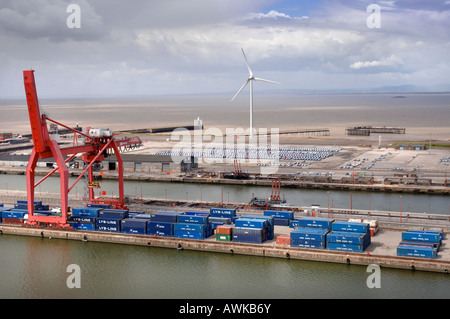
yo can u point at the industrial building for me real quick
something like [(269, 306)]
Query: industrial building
[(411, 147), (151, 163), (18, 160)]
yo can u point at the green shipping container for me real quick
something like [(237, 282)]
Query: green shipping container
[(221, 237)]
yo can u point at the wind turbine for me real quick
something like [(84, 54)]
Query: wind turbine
[(250, 80)]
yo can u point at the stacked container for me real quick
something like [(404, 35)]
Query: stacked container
[(349, 236), (133, 226), (224, 232), (109, 220), (14, 216), (250, 230), (193, 225), (84, 218), (420, 243), (280, 217), (162, 223), (270, 226), (311, 232)]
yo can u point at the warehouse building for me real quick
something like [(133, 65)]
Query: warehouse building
[(411, 147), (18, 160), (151, 163)]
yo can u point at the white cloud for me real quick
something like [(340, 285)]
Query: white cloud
[(390, 61), (272, 14)]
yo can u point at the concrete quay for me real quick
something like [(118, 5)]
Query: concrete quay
[(382, 250)]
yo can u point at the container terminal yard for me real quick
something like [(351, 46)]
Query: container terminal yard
[(308, 233)]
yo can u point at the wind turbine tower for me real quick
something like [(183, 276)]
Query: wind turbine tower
[(250, 80)]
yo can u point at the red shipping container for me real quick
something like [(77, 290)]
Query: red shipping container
[(283, 240), (224, 229), (12, 221)]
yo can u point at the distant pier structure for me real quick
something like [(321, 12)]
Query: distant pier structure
[(367, 130)]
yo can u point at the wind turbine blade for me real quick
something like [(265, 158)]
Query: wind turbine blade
[(246, 62), (246, 82), (263, 80)]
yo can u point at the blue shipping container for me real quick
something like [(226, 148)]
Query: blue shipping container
[(113, 214), (310, 233), (170, 217), (133, 230), (14, 214), (134, 223), (108, 222), (347, 238), (302, 243), (416, 251), (191, 227), (194, 219), (160, 232), (108, 228), (315, 222), (82, 219), (279, 214), (248, 235), (250, 223), (190, 234), (163, 226), (86, 211), (345, 247), (350, 227), (223, 212), (421, 236), (83, 226)]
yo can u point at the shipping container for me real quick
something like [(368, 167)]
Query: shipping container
[(113, 213), (191, 227), (108, 222), (248, 235), (108, 228), (315, 222), (12, 220), (190, 234), (302, 243), (169, 217), (193, 219), (223, 212), (134, 223), (83, 226), (86, 211), (310, 233), (133, 230), (250, 223), (223, 237), (421, 236), (160, 232), (81, 219), (163, 226), (348, 238), (345, 247), (224, 229), (441, 234), (279, 214), (350, 227), (416, 251), (293, 223), (283, 240)]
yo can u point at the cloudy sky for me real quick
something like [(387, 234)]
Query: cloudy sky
[(152, 47)]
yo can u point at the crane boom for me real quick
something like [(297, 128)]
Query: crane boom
[(44, 147)]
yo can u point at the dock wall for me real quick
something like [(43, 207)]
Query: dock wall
[(284, 252)]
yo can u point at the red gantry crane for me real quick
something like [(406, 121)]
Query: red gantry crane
[(94, 150)]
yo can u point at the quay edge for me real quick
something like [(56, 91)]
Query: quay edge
[(284, 252)]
